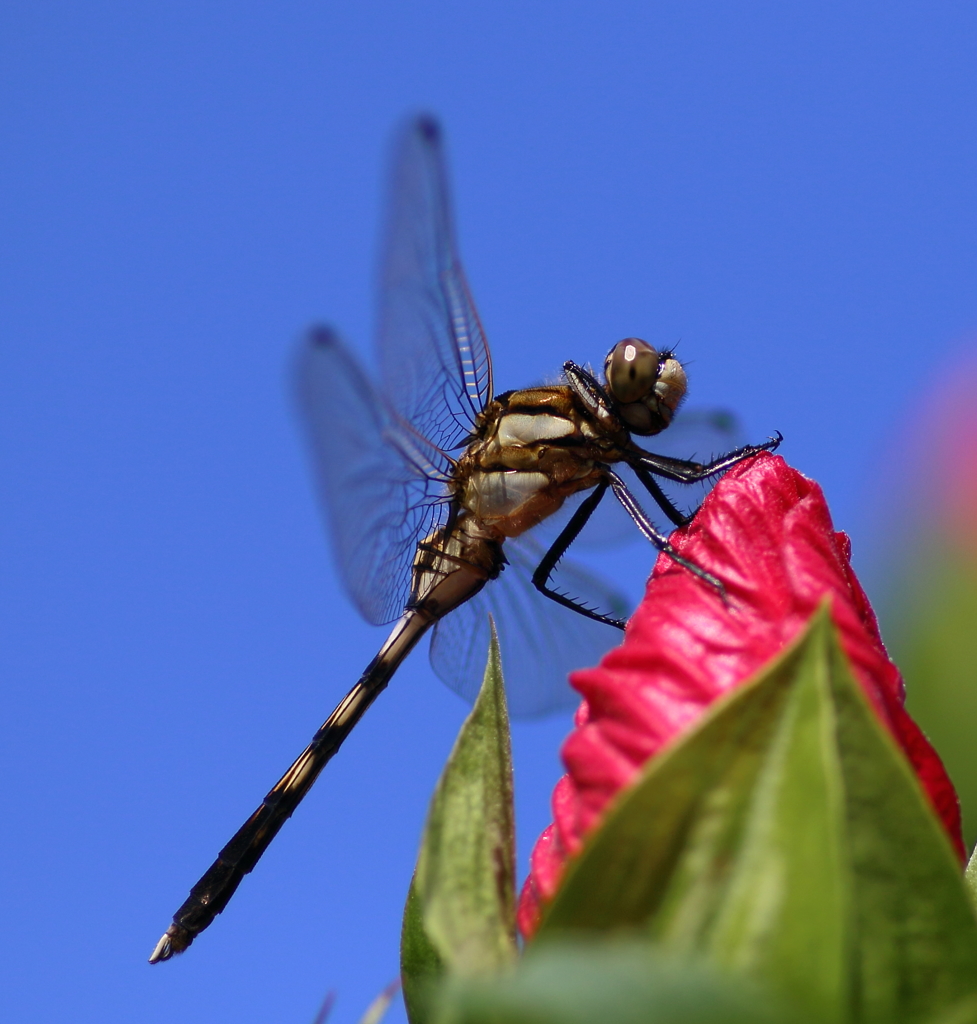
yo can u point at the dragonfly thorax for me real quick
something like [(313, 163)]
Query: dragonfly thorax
[(532, 450)]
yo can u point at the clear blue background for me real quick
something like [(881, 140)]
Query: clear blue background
[(788, 189)]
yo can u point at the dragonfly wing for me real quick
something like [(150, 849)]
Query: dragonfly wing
[(696, 434), (541, 642), (382, 486), (437, 371), (699, 432)]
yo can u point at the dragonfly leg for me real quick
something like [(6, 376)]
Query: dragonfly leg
[(685, 471), (645, 525), (587, 387), (569, 533), (663, 501)]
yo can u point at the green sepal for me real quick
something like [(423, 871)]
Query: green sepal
[(787, 838), (460, 916)]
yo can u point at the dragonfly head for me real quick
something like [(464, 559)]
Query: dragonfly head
[(646, 384)]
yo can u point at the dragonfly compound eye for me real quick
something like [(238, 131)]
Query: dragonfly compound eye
[(646, 385), (631, 369), (670, 387)]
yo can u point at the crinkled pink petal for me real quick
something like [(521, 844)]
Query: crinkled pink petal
[(766, 532)]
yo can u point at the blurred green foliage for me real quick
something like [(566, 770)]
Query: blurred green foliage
[(929, 622), (610, 982)]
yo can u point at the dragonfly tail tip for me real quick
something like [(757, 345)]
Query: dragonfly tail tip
[(175, 940), (163, 950)]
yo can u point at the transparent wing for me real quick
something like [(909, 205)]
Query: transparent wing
[(696, 434), (699, 434), (541, 641), (382, 486), (437, 371)]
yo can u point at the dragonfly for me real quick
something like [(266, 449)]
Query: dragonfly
[(438, 491)]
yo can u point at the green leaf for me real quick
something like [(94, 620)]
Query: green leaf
[(787, 838), (607, 983), (460, 913)]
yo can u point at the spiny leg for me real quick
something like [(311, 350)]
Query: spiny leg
[(654, 488), (685, 471), (645, 525), (587, 387), (569, 533)]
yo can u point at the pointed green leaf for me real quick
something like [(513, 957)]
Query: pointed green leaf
[(786, 837), (460, 914)]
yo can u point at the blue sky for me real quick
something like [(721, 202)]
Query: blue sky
[(787, 189)]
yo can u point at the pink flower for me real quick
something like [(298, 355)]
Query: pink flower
[(766, 532)]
